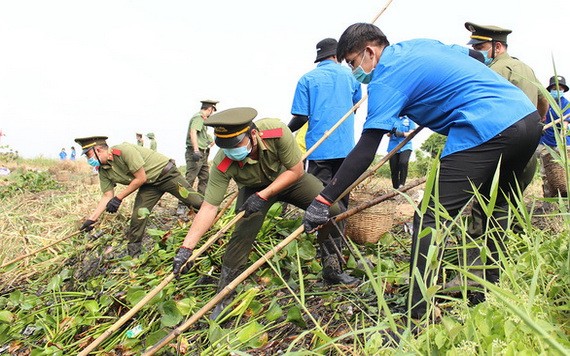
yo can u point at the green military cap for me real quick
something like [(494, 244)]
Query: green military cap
[(480, 34), (208, 103), (150, 135), (231, 126), (88, 143)]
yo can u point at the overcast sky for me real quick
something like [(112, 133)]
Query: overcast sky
[(81, 68)]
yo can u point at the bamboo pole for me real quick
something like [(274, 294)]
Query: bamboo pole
[(157, 289), (370, 171), (552, 123), (233, 284), (381, 11), (39, 250)]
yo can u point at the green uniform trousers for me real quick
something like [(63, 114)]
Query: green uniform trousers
[(199, 169), (149, 194), (300, 194)]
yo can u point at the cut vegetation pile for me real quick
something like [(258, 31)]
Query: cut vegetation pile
[(58, 301)]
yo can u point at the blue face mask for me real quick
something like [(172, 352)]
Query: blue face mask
[(359, 73), (237, 153), (93, 162), (485, 54), (361, 76), (556, 94)]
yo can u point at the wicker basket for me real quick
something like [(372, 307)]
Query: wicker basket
[(368, 225), (555, 175)]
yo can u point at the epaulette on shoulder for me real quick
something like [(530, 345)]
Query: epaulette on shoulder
[(271, 133), (224, 164), (116, 152)]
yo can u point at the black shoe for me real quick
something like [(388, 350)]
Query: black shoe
[(330, 276), (134, 249)]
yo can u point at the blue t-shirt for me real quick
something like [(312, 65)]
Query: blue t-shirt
[(325, 95), (440, 87), (403, 124), (548, 134)]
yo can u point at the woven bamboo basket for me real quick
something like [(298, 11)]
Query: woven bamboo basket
[(368, 225), (555, 175)]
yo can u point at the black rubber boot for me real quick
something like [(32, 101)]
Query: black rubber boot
[(134, 249), (226, 277), (332, 268)]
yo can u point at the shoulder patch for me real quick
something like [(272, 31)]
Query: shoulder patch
[(272, 133), (116, 152), (224, 164)]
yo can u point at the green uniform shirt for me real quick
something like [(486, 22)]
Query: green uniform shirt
[(197, 123), (153, 144), (276, 155), (518, 73), (127, 159)]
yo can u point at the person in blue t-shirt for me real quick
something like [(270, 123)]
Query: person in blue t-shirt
[(399, 161), (322, 97), (62, 154), (73, 153), (487, 120), (557, 87)]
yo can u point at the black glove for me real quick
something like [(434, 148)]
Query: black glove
[(180, 259), (252, 205), (316, 215), (196, 156), (113, 205), (87, 225), (399, 134)]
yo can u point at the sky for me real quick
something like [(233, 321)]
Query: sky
[(113, 67)]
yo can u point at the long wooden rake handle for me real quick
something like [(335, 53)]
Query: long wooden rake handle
[(158, 288), (39, 250)]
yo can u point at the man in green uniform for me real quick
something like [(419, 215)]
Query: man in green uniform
[(139, 168), (140, 140), (198, 143), (151, 137), (265, 162), (491, 41)]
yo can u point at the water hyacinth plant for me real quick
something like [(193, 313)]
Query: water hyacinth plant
[(60, 300)]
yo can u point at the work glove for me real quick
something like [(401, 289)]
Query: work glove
[(316, 215), (196, 156), (87, 226), (113, 205), (252, 205), (180, 259)]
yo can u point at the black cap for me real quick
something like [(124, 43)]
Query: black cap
[(326, 48), (88, 143), (480, 34), (561, 83), (231, 126)]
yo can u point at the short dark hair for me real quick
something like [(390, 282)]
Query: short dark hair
[(357, 36), (206, 106)]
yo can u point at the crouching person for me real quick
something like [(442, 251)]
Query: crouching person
[(140, 169), (265, 163)]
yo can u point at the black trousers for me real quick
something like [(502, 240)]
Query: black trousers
[(325, 171), (399, 168), (510, 151)]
